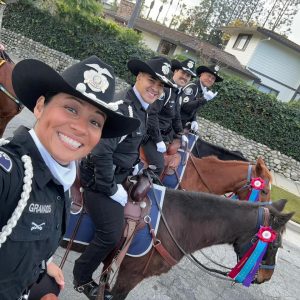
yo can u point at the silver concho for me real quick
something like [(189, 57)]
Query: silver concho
[(186, 99), (190, 64), (166, 68)]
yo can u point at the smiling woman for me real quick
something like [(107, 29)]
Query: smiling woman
[(37, 167)]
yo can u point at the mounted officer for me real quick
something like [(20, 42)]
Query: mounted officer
[(37, 167), (197, 94), (109, 164), (164, 116)]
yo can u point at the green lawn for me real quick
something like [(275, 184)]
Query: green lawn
[(293, 203)]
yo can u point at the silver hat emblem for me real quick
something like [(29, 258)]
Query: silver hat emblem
[(166, 68), (190, 64)]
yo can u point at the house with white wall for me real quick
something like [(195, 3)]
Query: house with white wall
[(167, 41), (270, 56)]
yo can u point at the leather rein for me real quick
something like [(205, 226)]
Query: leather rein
[(5, 91)]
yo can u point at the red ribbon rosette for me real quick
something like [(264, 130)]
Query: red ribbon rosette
[(257, 183), (266, 234)]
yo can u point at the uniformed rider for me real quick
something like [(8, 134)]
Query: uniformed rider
[(164, 116), (109, 164), (37, 167), (198, 93)]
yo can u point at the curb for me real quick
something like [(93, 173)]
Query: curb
[(294, 226)]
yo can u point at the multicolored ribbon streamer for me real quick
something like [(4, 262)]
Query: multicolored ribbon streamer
[(257, 184), (247, 267)]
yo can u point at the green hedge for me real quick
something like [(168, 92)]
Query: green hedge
[(238, 106), (255, 115), (73, 33)]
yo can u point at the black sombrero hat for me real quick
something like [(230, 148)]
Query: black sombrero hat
[(212, 70), (90, 80), (158, 67), (187, 65)]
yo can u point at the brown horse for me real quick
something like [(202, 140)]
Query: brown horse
[(9, 104), (199, 220), (212, 175)]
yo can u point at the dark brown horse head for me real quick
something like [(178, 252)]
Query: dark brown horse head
[(8, 107), (259, 170), (277, 222)]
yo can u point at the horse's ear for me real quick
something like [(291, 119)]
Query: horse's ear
[(280, 204), (260, 164), (281, 219)]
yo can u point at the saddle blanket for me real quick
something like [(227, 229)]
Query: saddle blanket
[(142, 241), (171, 181)]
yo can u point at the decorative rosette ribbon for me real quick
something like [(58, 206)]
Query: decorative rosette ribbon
[(257, 184), (247, 267)]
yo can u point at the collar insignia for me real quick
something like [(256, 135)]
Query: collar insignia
[(5, 162)]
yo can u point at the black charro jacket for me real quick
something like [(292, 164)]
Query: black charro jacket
[(191, 100), (112, 160), (164, 116), (42, 224)]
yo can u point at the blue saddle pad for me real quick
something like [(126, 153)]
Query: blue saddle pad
[(85, 231), (141, 243), (171, 181)]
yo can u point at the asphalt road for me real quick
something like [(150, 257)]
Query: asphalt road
[(185, 281)]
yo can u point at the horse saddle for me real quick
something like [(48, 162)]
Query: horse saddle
[(138, 205), (171, 158)]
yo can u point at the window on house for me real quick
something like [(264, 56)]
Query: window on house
[(265, 89), (242, 42), (166, 47)]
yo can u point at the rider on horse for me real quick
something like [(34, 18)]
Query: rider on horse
[(164, 116), (197, 95), (107, 167)]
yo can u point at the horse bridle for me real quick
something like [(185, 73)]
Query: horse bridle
[(7, 93)]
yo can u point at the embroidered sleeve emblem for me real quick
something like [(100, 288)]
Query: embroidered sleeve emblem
[(188, 91), (5, 162)]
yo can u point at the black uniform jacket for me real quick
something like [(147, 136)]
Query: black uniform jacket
[(112, 160), (42, 223), (164, 116), (191, 100)]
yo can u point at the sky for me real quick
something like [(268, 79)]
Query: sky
[(294, 36)]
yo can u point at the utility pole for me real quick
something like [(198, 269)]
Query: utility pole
[(135, 14)]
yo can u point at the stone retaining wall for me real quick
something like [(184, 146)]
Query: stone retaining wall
[(23, 47)]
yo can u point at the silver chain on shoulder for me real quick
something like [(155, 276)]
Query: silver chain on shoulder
[(12, 222)]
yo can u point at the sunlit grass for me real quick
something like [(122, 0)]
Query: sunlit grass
[(293, 203)]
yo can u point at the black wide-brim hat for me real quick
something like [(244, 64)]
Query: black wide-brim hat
[(187, 65), (90, 80), (158, 67), (212, 70)]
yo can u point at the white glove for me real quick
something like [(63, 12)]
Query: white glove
[(137, 169), (120, 195), (194, 126), (184, 140), (161, 147), (208, 95)]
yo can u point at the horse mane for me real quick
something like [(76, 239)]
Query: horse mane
[(5, 56), (215, 159)]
